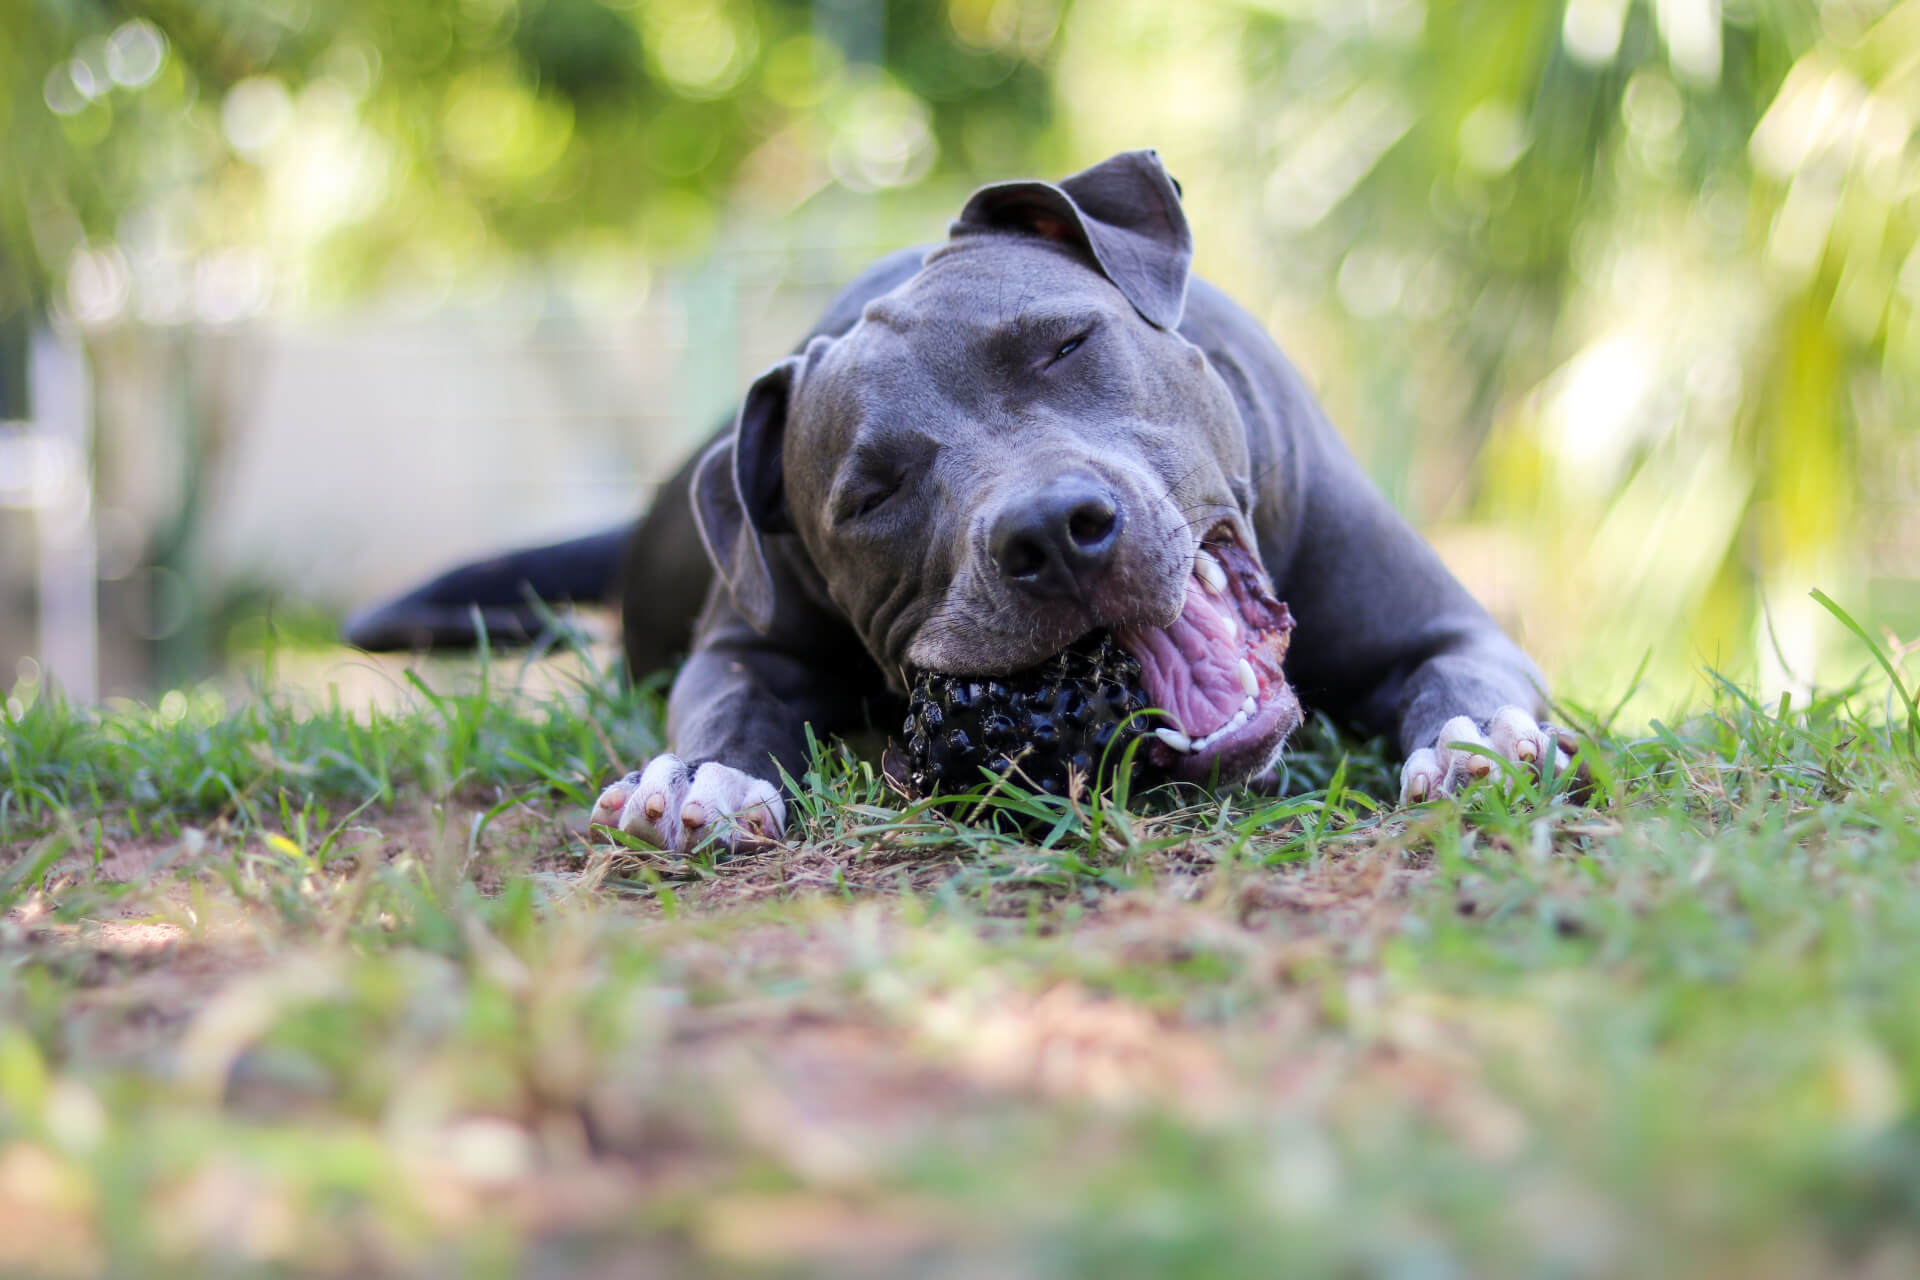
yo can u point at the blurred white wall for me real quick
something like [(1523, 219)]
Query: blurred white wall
[(379, 447), (336, 459)]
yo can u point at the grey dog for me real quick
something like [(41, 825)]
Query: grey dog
[(986, 450)]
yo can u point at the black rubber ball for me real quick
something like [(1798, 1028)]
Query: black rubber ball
[(1041, 724)]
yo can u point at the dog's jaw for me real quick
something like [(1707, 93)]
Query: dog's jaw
[(1210, 637)]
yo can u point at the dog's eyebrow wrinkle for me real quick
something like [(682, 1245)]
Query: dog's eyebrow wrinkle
[(880, 443), (885, 312)]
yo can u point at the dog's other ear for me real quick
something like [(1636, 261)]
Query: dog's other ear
[(1125, 211), (739, 494)]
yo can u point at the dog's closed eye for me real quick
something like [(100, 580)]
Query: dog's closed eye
[(867, 498), (873, 500), (1070, 346)]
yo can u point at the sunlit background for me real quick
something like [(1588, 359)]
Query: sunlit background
[(302, 299)]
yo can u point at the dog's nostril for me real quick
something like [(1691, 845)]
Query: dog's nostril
[(1091, 523), (1021, 557), (1053, 540)]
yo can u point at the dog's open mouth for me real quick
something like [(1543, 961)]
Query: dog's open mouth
[(1215, 671), (1220, 708)]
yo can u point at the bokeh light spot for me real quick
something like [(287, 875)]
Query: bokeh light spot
[(255, 114), (496, 127), (700, 53), (1591, 30), (62, 94), (1492, 138), (799, 71), (884, 138), (135, 51), (98, 285)]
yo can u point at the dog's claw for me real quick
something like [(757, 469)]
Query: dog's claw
[(675, 807), (1512, 732)]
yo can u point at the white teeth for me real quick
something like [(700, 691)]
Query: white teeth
[(1248, 710), (1211, 575), (1232, 627), (1182, 743)]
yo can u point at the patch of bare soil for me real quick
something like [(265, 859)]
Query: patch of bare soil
[(146, 931)]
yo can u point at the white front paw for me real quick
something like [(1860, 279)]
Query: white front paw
[(675, 806), (1449, 765)]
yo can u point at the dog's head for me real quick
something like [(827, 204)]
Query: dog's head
[(1016, 447)]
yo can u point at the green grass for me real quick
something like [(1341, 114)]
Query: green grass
[(285, 989)]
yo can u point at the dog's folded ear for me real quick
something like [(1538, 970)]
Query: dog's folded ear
[(1124, 211), (738, 494)]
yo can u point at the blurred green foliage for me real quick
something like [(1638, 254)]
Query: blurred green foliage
[(357, 135)]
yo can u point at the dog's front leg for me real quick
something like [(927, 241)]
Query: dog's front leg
[(1459, 696), (1389, 641), (737, 715)]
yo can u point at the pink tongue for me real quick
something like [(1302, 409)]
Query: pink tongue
[(1191, 668)]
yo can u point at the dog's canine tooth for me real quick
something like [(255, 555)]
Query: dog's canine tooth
[(1175, 739), (1211, 575), (1249, 679)]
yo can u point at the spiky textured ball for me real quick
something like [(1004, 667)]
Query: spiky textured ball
[(1045, 723)]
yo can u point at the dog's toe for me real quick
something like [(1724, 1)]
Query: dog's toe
[(652, 812), (1518, 736), (741, 808), (1421, 777), (1460, 763), (613, 801)]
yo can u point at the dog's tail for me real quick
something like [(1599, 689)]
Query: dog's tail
[(654, 568), (502, 591)]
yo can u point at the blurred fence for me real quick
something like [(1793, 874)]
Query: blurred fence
[(44, 489)]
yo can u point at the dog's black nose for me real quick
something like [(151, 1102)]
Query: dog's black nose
[(1054, 540)]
